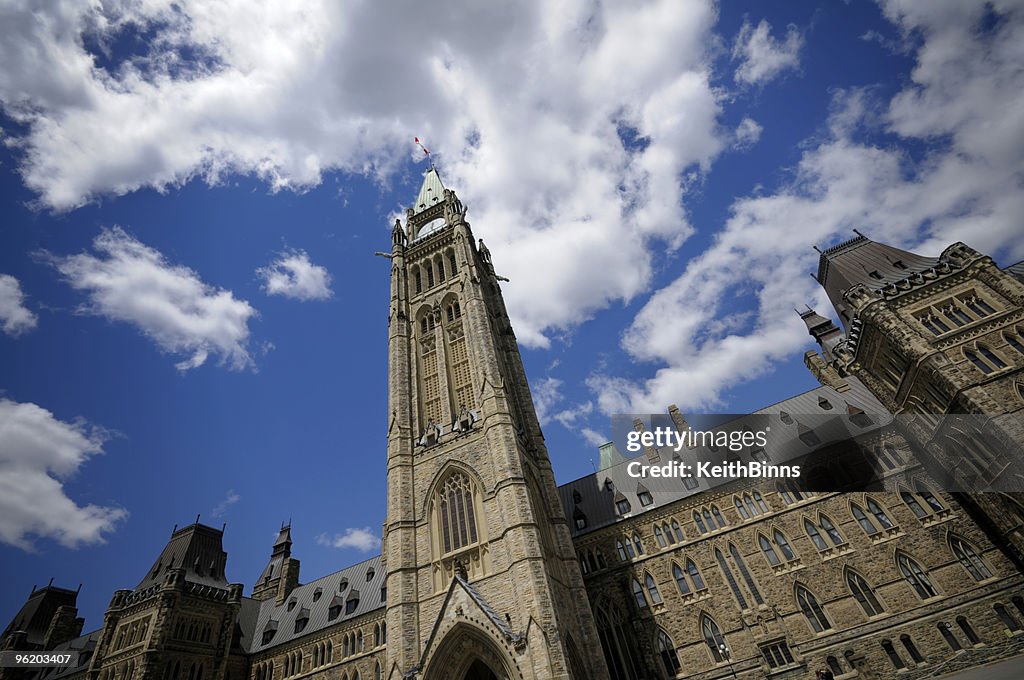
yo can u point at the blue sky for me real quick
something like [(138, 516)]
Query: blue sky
[(191, 317)]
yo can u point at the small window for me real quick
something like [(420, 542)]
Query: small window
[(317, 593), (622, 506), (369, 574), (777, 654), (291, 604), (646, 498)]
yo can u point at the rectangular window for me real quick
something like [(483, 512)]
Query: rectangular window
[(777, 654)]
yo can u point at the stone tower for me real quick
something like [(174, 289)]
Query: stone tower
[(179, 622), (482, 577), (940, 342)]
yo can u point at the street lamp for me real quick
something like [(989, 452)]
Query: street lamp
[(724, 650)]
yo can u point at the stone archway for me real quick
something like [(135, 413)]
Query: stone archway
[(468, 653)]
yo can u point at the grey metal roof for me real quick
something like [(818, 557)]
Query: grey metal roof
[(35, 615), (84, 645), (365, 578), (1017, 270), (196, 548), (431, 192), (596, 498), (861, 260)]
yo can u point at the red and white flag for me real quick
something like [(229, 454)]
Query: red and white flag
[(420, 144)]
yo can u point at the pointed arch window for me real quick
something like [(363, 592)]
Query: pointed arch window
[(677, 531), (814, 535), (745, 573), (879, 514), (916, 576), (991, 357), (1015, 339), (908, 644), (932, 503), (911, 502), (730, 579), (713, 638), (616, 642), (669, 657), (689, 580), (768, 550), (865, 524), (638, 545), (969, 558), (812, 609), (659, 536), (456, 512), (652, 589), (863, 593), (621, 550), (978, 363), (638, 595)]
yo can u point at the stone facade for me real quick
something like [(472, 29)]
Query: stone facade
[(490, 570)]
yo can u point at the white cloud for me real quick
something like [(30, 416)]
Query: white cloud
[(131, 282), (15, 318), (593, 437), (729, 316), (761, 56), (293, 275), (747, 134), (287, 91), (361, 539), (37, 454), (221, 508), (547, 394)]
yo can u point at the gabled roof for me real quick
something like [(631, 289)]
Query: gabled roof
[(861, 260), (431, 192)]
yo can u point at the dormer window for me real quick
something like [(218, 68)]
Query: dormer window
[(824, 404), (899, 264), (343, 585), (317, 593), (334, 611), (785, 417), (369, 574), (622, 505), (269, 631), (301, 621), (608, 485), (644, 496), (576, 497), (579, 519), (875, 275), (291, 604), (352, 602)]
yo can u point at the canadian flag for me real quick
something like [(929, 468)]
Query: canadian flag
[(420, 144)]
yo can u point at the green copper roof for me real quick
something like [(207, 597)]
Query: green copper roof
[(610, 456), (431, 192)]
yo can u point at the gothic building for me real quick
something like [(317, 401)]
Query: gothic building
[(491, 571)]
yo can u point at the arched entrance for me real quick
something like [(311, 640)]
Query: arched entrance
[(468, 653), (480, 671)]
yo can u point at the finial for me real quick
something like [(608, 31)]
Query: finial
[(197, 518), (174, 529), (815, 246), (857, 232), (79, 588), (223, 527)]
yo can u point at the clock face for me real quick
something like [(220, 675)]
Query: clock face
[(430, 227)]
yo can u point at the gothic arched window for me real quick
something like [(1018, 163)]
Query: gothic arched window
[(669, 658), (863, 593), (916, 576), (713, 638), (812, 609), (456, 512), (969, 558)]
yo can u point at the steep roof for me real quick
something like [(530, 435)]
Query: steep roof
[(1017, 270), (35, 615), (595, 498), (431, 192), (196, 548), (861, 260), (313, 600)]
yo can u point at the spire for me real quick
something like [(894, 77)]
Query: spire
[(431, 192)]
